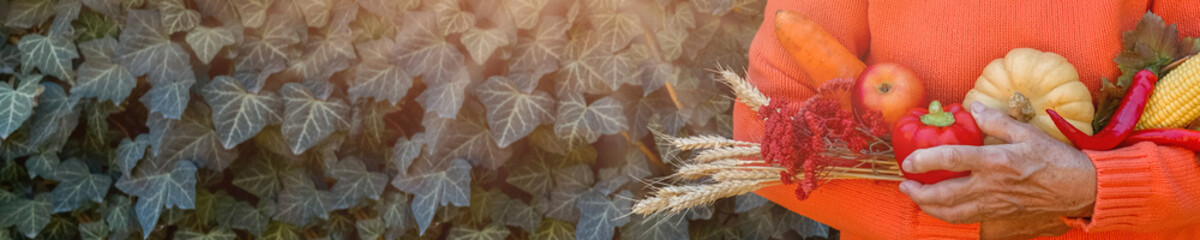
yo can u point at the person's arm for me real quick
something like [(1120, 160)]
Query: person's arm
[(869, 209), (1144, 188)]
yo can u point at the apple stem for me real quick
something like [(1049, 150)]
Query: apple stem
[(937, 117)]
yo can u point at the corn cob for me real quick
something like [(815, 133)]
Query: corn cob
[(1176, 98)]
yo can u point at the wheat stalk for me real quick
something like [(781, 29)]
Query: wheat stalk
[(705, 141), (732, 175), (709, 193), (745, 91), (726, 153)]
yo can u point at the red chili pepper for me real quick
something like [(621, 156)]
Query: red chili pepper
[(922, 128), (1123, 121), (1189, 139)]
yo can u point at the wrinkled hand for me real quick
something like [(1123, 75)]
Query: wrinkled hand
[(1033, 175)]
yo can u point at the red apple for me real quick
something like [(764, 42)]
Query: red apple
[(890, 89)]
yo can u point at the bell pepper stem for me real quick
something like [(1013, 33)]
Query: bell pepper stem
[(936, 116)]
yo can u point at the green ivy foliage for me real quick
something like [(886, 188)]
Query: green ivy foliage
[(364, 119)]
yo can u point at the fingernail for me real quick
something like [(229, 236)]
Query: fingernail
[(977, 107), (906, 186), (907, 165)]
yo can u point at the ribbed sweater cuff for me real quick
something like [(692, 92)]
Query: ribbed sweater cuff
[(929, 227), (1124, 182)]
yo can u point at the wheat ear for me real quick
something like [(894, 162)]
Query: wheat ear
[(745, 91)]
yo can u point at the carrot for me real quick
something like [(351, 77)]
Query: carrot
[(820, 55)]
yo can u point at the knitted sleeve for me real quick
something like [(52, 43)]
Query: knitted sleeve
[(1144, 188)]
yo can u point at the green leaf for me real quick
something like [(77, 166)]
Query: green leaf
[(129, 152), (544, 48), (671, 41), (215, 234), (588, 67), (65, 12), (370, 228), (54, 118), (239, 114), (656, 226), (376, 77), (206, 41), (42, 164), (759, 223), (107, 7), (309, 120), (253, 12), (602, 215), (536, 175), (570, 184), (50, 54), (615, 29), (804, 226), (16, 105), (355, 183), (520, 12), (10, 58), (299, 204), (519, 214), (468, 137), (26, 13), (551, 229), (394, 210), (192, 138), (325, 55), (30, 216), (146, 49), (235, 214), (746, 202), (158, 185), (118, 214), (423, 47), (407, 150), (263, 177), (99, 76), (169, 98), (434, 184), (93, 230), (452, 18), (176, 17), (316, 12), (491, 232), (445, 98), (512, 114), (76, 185), (272, 45), (481, 43), (59, 228), (281, 231), (585, 123)]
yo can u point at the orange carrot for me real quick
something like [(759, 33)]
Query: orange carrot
[(817, 52)]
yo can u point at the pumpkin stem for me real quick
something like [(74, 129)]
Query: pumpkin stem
[(1020, 108), (937, 117)]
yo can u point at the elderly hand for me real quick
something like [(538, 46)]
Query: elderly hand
[(1033, 175)]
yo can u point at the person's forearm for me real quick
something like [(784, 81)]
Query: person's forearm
[(1144, 188)]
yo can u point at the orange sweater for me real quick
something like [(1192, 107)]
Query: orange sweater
[(1143, 191)]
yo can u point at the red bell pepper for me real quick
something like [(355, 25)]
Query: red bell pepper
[(924, 128)]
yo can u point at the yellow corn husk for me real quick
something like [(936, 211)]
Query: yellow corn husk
[(1176, 98)]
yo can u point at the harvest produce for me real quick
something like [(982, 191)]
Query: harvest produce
[(814, 49), (1177, 100), (890, 89), (924, 128), (1189, 139), (1027, 82), (1122, 123)]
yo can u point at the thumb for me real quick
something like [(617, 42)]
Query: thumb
[(997, 124)]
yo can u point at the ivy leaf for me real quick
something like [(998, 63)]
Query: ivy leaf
[(376, 77), (50, 54), (746, 202), (805, 226), (192, 138), (355, 183), (521, 12), (468, 137), (206, 41), (434, 184), (169, 98), (491, 232), (551, 229), (308, 119), (671, 41), (93, 230), (158, 186), (326, 55), (616, 29), (423, 47), (107, 7), (176, 17), (656, 226), (253, 12), (452, 18), (299, 204), (583, 122), (281, 231), (445, 97), (481, 43), (240, 215), (394, 210), (118, 214), (129, 152), (316, 12), (76, 185), (602, 215), (370, 228), (407, 150), (519, 214), (99, 76), (10, 58), (263, 177), (272, 45), (42, 164), (239, 114), (535, 176), (30, 216), (54, 118), (215, 234), (512, 114), (146, 49), (569, 185), (759, 223), (26, 13), (17, 104), (544, 48)]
